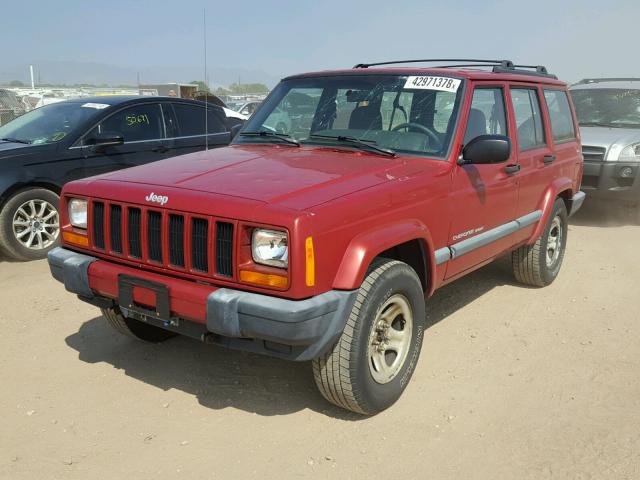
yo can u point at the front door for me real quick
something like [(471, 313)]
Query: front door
[(484, 197), (143, 131)]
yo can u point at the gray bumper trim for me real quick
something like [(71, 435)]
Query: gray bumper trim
[(71, 269), (314, 323), (576, 202)]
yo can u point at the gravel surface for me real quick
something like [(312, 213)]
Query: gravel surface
[(513, 383)]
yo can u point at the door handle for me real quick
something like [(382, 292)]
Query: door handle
[(160, 149), (549, 159), (512, 168)]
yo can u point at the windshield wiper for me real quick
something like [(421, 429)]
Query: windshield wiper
[(15, 140), (368, 144), (280, 136)]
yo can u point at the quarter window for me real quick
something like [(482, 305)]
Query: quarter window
[(487, 115), (134, 124), (528, 118), (560, 115)]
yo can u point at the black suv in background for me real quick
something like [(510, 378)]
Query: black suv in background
[(47, 147)]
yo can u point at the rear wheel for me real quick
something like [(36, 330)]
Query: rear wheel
[(134, 328), (30, 224), (372, 362), (538, 265)]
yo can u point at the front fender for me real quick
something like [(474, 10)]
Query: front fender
[(559, 187), (369, 244)]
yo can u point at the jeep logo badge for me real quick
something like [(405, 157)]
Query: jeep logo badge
[(161, 199)]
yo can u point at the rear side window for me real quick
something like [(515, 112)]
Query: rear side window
[(135, 124), (191, 120), (487, 114), (560, 114), (528, 118)]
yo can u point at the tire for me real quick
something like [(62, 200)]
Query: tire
[(134, 328), (30, 217), (350, 375), (535, 265)]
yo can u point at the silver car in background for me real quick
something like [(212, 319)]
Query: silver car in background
[(608, 111)]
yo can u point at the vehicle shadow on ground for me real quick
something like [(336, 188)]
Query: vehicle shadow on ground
[(605, 215), (221, 378)]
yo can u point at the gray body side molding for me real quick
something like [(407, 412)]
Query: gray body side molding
[(443, 255)]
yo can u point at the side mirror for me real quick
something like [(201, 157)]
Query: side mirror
[(105, 140), (486, 149), (235, 129)]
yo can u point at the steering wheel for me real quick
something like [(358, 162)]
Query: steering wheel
[(426, 130)]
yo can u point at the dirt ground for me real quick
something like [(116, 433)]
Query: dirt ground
[(513, 383)]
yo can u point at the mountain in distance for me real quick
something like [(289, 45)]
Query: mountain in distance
[(93, 73)]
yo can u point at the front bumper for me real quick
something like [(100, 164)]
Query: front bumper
[(604, 180), (293, 329)]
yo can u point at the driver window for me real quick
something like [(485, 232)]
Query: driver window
[(487, 115), (137, 123)]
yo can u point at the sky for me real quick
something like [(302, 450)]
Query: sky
[(574, 39)]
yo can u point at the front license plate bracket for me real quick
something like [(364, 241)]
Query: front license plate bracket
[(162, 310)]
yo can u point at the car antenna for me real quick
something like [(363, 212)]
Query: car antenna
[(206, 83)]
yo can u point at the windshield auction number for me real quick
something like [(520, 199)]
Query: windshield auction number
[(137, 119), (443, 84)]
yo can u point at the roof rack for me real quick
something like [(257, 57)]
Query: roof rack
[(499, 66), (610, 79)]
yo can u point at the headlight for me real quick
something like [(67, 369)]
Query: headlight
[(630, 153), (270, 247), (78, 213)]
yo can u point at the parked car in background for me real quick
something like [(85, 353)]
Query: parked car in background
[(608, 111), (248, 108), (43, 149), (322, 244)]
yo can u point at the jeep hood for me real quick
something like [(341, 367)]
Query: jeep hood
[(608, 137), (296, 178)]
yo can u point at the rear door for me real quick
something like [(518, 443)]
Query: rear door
[(142, 128), (191, 122), (534, 153), (484, 197)]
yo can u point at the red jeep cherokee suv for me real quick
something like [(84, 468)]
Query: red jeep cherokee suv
[(345, 201)]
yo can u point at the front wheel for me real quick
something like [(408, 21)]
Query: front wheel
[(538, 265), (30, 224), (372, 362)]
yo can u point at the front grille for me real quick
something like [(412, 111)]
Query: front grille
[(593, 154), (154, 236), (172, 239), (176, 240), (135, 231), (98, 225), (115, 228), (200, 244), (224, 248)]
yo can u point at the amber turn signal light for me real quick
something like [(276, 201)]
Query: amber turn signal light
[(311, 263), (267, 280), (76, 239)]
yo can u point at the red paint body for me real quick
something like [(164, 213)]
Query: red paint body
[(354, 204)]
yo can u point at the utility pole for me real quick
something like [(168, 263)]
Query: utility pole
[(33, 86)]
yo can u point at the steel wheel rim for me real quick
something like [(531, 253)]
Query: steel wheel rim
[(554, 241), (390, 339), (36, 224)]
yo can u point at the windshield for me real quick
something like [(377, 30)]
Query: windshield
[(398, 113), (50, 123), (608, 107)]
